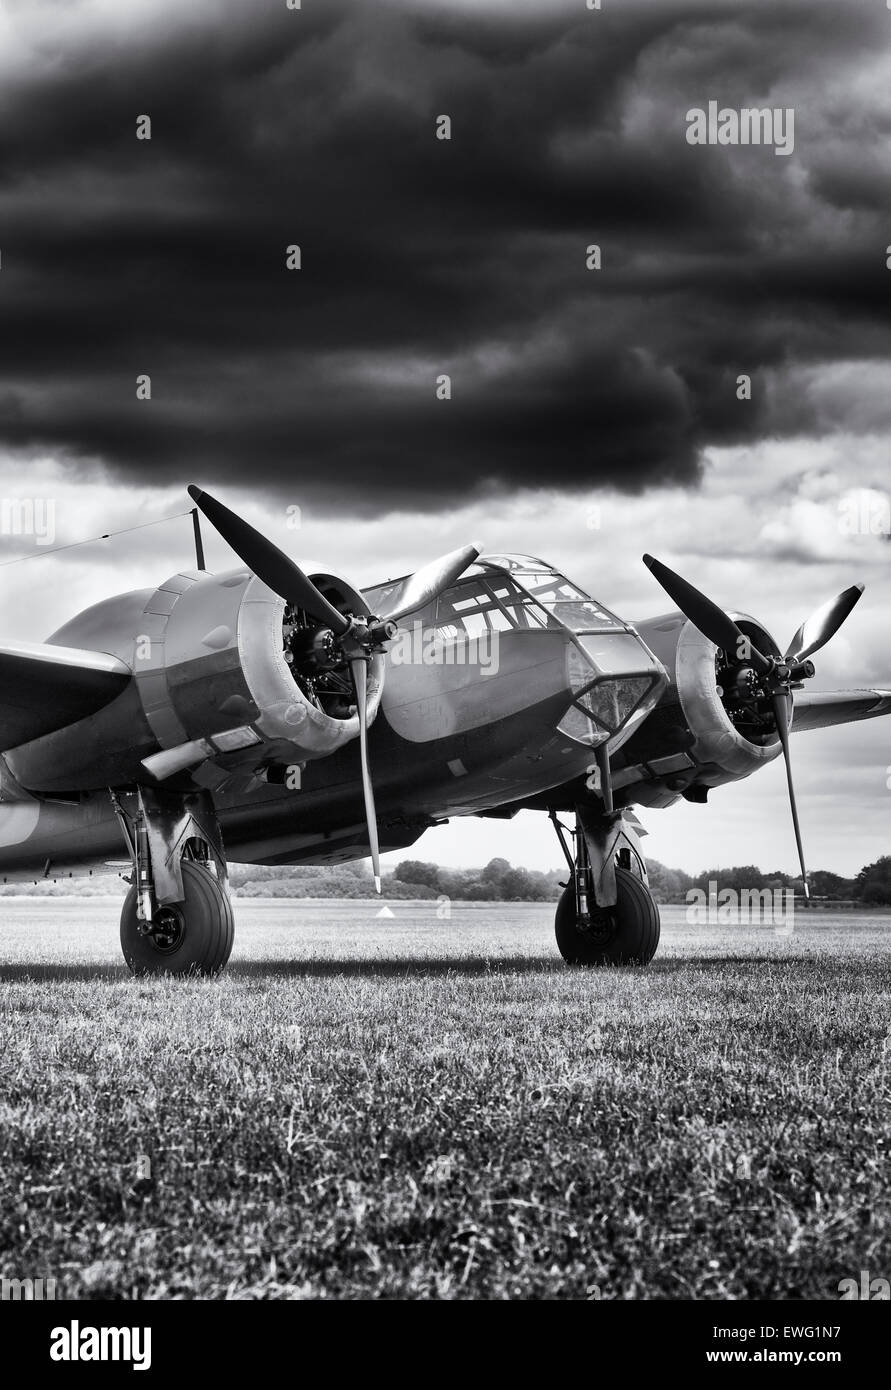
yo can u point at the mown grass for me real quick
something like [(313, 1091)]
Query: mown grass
[(428, 1109)]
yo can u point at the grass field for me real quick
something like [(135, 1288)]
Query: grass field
[(441, 1109)]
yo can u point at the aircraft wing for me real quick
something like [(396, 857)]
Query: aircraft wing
[(43, 688), (819, 709)]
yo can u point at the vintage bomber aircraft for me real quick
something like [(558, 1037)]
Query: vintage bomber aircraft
[(242, 714)]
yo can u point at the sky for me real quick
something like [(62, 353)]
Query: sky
[(594, 414)]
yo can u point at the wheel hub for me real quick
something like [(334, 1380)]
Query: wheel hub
[(599, 925), (166, 929)]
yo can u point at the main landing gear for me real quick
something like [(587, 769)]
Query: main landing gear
[(177, 917), (606, 915)]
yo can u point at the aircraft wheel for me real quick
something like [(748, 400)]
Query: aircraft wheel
[(626, 934), (193, 937)]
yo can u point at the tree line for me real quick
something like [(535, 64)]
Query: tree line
[(501, 881), (498, 881)]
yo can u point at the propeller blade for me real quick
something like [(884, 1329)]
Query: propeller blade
[(359, 671), (430, 580), (781, 715), (711, 620), (816, 631), (268, 563)]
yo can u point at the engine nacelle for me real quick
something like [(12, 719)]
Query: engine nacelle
[(696, 738), (213, 695)]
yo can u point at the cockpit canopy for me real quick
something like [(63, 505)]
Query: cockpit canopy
[(614, 676), (502, 592)]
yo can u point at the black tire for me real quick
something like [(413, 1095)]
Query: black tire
[(626, 934), (201, 929)]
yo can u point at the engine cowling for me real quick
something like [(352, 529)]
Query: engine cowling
[(227, 683), (701, 734)]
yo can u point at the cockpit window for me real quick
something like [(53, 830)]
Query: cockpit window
[(549, 587), (486, 604), (531, 597), (566, 602), (516, 608), (515, 563)]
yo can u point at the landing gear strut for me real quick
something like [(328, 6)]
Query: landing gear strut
[(177, 917), (606, 914)]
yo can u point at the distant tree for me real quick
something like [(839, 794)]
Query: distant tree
[(873, 883), (395, 888), (416, 871), (667, 885), (453, 883), (738, 877), (517, 886), (479, 892), (823, 884), (495, 871)]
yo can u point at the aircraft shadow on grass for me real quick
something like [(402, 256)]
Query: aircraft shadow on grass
[(393, 967)]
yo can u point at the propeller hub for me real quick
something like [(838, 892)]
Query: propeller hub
[(380, 632), (738, 683), (313, 649)]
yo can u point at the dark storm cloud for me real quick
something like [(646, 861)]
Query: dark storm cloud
[(421, 257)]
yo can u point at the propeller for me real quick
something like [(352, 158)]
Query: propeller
[(268, 563), (780, 708), (778, 675), (429, 581), (359, 672), (359, 635), (711, 620), (822, 625)]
